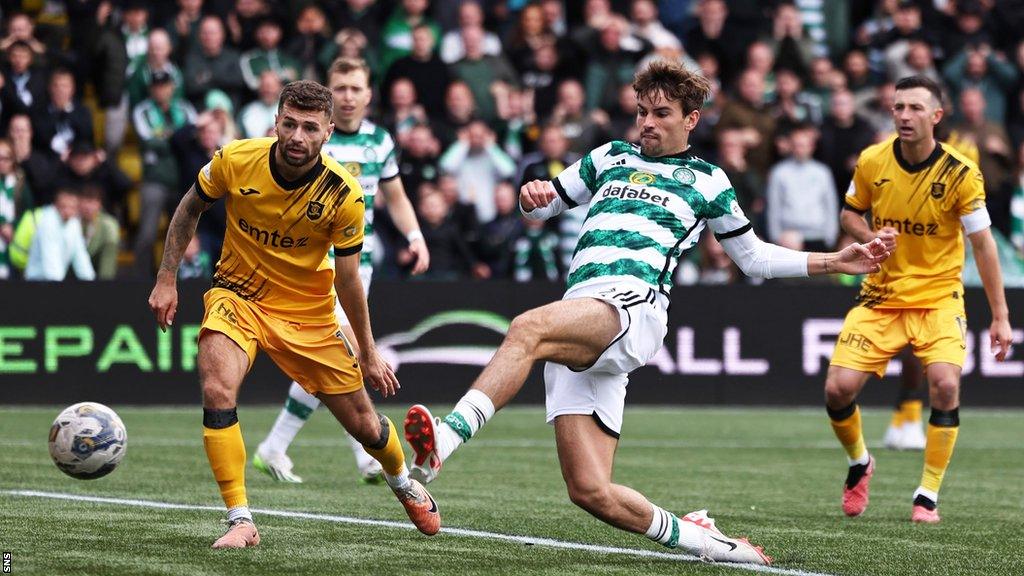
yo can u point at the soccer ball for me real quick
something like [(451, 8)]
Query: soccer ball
[(87, 440)]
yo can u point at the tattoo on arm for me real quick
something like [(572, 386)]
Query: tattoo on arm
[(181, 230)]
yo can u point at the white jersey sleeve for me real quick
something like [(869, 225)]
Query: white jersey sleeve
[(576, 185), (722, 212)]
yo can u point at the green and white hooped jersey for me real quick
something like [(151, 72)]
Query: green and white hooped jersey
[(644, 213), (369, 155)]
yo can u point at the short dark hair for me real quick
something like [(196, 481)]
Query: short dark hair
[(307, 95), (676, 83), (921, 82)]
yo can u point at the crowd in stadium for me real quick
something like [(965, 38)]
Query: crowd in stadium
[(108, 110)]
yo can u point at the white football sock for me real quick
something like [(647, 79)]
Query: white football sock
[(399, 482), (297, 409), (663, 524), (470, 414), (239, 512)]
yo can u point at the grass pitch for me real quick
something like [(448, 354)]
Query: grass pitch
[(774, 475)]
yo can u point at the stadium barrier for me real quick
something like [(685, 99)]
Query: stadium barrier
[(766, 345)]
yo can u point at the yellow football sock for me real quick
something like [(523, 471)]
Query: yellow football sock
[(897, 417), (937, 453), (911, 410), (391, 456), (846, 425), (226, 452)]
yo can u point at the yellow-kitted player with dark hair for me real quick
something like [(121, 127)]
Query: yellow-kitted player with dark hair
[(927, 195), (274, 289)]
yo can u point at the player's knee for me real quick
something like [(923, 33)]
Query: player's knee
[(589, 495), (217, 393), (945, 391), (526, 329)]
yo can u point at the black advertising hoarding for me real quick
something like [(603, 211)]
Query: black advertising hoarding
[(767, 345)]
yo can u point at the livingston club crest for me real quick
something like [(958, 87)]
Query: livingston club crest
[(938, 190), (314, 210)]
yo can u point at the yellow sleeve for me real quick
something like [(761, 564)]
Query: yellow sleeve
[(347, 235), (212, 182), (971, 193), (858, 195)]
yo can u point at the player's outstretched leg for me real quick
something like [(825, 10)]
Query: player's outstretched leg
[(378, 434), (272, 454), (572, 332), (841, 388), (586, 451)]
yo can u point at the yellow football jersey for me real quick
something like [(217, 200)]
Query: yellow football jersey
[(279, 231), (924, 202)]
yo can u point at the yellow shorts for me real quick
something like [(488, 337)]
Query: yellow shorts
[(317, 356), (870, 337)]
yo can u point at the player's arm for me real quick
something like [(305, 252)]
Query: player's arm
[(761, 259), (164, 298), (404, 217), (543, 199), (353, 301), (986, 255)]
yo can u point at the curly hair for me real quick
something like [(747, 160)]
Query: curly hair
[(307, 95), (675, 82)]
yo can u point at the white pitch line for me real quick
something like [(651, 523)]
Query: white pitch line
[(528, 540)]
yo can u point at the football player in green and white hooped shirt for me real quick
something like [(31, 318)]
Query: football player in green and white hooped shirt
[(368, 152), (648, 204)]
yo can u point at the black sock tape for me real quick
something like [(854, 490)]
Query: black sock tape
[(217, 419), (842, 413)]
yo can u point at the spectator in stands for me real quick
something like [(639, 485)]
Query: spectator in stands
[(396, 35), (101, 230), (352, 43), (158, 59), (716, 268), (194, 146), (453, 44), (459, 111), (536, 253), (878, 110), (554, 17), (220, 106), (843, 136), (481, 71), (20, 27), (109, 61), (428, 74), (646, 25), (365, 15), (622, 120), (58, 243), (761, 59), (889, 47), (418, 161), (859, 78), (450, 255), (15, 198), (543, 72), (612, 63), (478, 163), (155, 120), (596, 15), (791, 46), (747, 182), (919, 61), (715, 34), (748, 113), (24, 82), (986, 70), (791, 106), (462, 213), (267, 55), (968, 27), (404, 109), (497, 237), (802, 196), (585, 130), (38, 167), (87, 164), (257, 117), (196, 263), (310, 40), (210, 64), (529, 33), (61, 120), (995, 153), (244, 21), (184, 28)]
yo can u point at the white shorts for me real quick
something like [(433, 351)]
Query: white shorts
[(365, 275), (600, 390)]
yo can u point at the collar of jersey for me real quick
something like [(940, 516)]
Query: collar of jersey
[(298, 182), (932, 158)]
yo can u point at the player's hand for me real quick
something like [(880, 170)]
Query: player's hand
[(888, 236), (163, 301), (859, 258), (418, 248), (1000, 337), (378, 372), (536, 194)]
